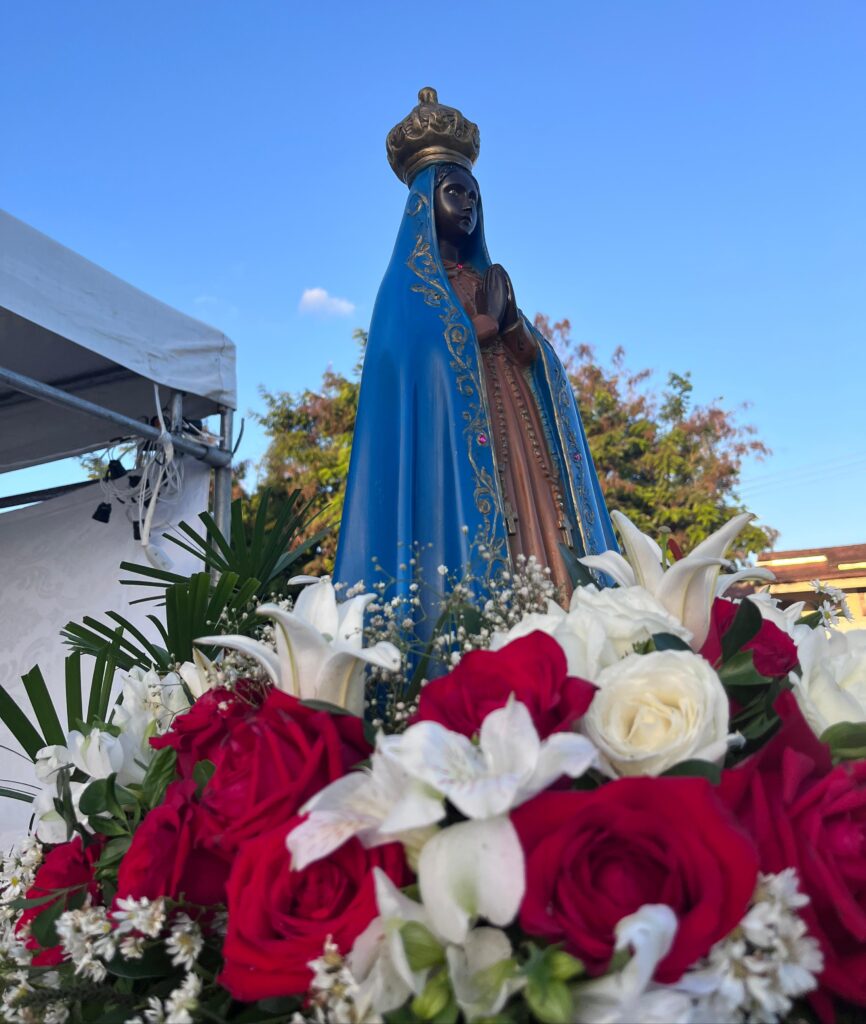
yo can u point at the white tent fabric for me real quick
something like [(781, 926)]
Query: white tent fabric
[(67, 322), (58, 564)]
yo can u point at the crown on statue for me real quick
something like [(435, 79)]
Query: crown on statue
[(431, 134)]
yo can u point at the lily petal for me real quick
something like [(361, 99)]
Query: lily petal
[(317, 605), (470, 870), (754, 572), (612, 563), (643, 552), (264, 655)]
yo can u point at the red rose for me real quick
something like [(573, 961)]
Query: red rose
[(272, 761), (200, 734), (169, 855), (595, 857), (279, 919), (67, 866), (774, 652), (533, 668), (806, 814)]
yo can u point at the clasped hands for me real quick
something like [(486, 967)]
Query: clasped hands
[(495, 297)]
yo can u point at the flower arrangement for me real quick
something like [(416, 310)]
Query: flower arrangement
[(649, 806)]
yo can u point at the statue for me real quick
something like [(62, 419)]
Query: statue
[(468, 449)]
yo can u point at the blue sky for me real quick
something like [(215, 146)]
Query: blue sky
[(684, 178)]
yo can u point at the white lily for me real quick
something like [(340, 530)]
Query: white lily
[(320, 653), (687, 587), (628, 997)]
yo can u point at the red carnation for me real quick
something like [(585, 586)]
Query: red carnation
[(280, 919), (70, 867), (593, 858), (806, 814), (774, 652), (533, 668)]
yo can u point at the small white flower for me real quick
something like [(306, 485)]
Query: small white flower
[(145, 915), (183, 1000), (184, 942)]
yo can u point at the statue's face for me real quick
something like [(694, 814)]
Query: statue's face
[(456, 204)]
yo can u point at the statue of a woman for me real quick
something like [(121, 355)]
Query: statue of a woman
[(468, 448)]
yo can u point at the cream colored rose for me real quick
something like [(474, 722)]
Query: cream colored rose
[(655, 710), (627, 615), (833, 685)]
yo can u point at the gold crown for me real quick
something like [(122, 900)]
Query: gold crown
[(431, 134)]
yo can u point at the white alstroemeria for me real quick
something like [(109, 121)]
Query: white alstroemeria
[(320, 653), (832, 687), (49, 761), (627, 996), (654, 710), (377, 805), (507, 766), (381, 967), (686, 589)]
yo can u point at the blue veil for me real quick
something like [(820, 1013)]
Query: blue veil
[(423, 489)]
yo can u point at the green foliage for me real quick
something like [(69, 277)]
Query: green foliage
[(310, 443), (847, 741), (667, 464)]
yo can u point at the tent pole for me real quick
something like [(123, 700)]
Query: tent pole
[(222, 482), (135, 428)]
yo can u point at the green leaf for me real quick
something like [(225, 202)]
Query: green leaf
[(551, 1002), (739, 670), (19, 725), (846, 740), (108, 826), (698, 769), (563, 966), (113, 853), (153, 964), (74, 710), (160, 773), (422, 949), (43, 706), (16, 794), (202, 773), (42, 928), (744, 628), (435, 997), (669, 642)]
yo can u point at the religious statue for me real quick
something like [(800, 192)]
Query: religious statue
[(468, 448)]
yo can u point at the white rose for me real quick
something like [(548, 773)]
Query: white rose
[(582, 637), (655, 710), (833, 685), (628, 615)]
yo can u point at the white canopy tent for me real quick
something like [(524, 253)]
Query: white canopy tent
[(80, 351)]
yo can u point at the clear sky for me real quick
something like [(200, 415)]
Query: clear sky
[(685, 178)]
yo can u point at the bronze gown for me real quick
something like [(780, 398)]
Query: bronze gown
[(535, 514)]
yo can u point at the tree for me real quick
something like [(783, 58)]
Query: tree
[(667, 464), (310, 443), (670, 466)]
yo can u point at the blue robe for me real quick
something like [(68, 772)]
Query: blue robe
[(423, 483)]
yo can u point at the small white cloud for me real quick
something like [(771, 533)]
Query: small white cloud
[(317, 300)]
